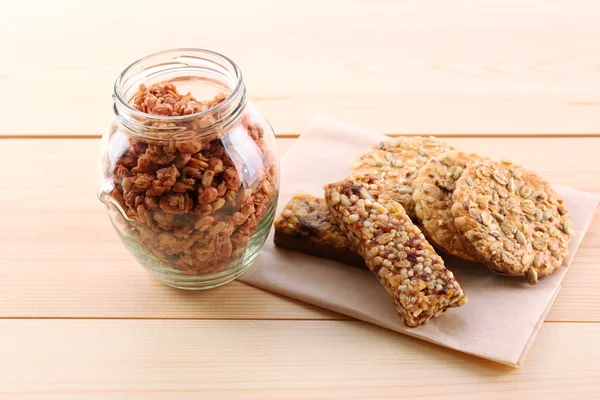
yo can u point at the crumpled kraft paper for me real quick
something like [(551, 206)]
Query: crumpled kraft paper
[(503, 314)]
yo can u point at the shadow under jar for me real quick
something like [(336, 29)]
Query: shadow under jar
[(190, 171)]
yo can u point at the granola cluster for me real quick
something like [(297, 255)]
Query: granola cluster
[(196, 200)]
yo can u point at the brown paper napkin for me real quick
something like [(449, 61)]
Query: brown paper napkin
[(500, 320)]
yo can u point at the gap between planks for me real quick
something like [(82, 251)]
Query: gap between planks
[(297, 135), (135, 318)]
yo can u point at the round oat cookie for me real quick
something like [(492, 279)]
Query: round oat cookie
[(395, 162), (511, 219), (432, 195)]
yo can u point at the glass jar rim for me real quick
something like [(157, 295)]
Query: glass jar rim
[(219, 107)]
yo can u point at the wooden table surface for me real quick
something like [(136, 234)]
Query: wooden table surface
[(79, 319)]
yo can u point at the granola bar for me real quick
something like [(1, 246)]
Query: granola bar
[(394, 249), (305, 225)]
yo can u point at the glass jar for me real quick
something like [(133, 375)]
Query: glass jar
[(190, 185)]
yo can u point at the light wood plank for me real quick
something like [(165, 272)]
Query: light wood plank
[(83, 359), (59, 256), (435, 66)]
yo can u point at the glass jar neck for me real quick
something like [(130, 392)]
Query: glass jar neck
[(203, 73)]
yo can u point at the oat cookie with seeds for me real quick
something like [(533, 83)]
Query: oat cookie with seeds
[(432, 194), (395, 162), (512, 219), (394, 249)]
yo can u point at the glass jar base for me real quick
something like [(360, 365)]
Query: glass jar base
[(180, 280)]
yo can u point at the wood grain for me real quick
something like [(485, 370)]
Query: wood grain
[(75, 359), (59, 256), (434, 66), (80, 319)]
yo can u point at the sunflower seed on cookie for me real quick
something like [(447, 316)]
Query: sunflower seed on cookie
[(512, 219), (432, 194), (395, 162)]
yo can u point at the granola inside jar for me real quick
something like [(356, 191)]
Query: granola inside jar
[(190, 171)]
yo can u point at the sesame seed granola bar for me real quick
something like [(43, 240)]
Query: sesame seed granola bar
[(305, 225), (394, 249)]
